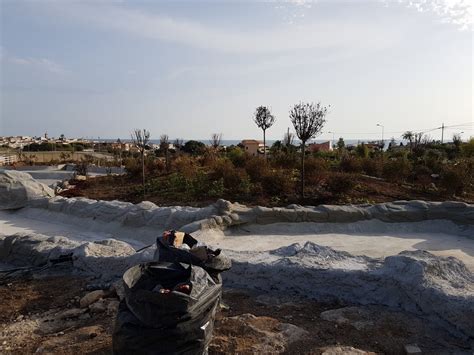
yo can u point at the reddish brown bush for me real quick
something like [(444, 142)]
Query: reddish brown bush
[(278, 182), (316, 170), (234, 178), (350, 164), (185, 165), (372, 166), (339, 184), (396, 170), (457, 179), (256, 168)]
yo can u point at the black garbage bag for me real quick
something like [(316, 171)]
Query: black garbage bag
[(155, 317), (213, 261)]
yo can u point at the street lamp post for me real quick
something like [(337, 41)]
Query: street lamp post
[(332, 139), (383, 143)]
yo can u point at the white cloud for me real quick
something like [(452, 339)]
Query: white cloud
[(39, 63), (457, 12), (338, 32)]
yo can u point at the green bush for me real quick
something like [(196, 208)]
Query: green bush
[(194, 147), (362, 150), (433, 159), (216, 188), (236, 156), (467, 149)]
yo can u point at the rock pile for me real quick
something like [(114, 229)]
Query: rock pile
[(415, 281)]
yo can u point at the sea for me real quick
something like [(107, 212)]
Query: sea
[(269, 142)]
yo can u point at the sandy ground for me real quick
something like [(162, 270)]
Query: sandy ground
[(370, 238), (33, 312)]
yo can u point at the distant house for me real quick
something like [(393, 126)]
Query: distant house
[(320, 147), (253, 146)]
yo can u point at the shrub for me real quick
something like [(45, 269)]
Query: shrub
[(216, 188), (339, 184), (234, 179), (350, 164), (285, 158), (278, 182), (194, 147), (256, 168), (396, 170), (362, 150), (457, 179), (316, 169), (154, 166), (133, 166), (467, 149), (372, 166), (236, 156), (185, 165), (433, 159), (423, 176), (199, 185)]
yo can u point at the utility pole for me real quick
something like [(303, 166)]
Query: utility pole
[(383, 142), (442, 133)]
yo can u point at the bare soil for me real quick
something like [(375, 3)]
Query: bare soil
[(34, 318), (366, 190)]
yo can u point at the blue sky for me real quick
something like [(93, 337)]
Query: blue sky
[(191, 68)]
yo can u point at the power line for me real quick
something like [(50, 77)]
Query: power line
[(463, 126)]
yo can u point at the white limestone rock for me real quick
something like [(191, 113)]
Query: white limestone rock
[(19, 189)]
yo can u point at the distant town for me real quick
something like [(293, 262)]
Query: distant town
[(45, 149)]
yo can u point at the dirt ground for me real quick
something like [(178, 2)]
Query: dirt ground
[(366, 190), (42, 315)]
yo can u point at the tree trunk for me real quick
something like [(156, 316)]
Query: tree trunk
[(302, 168), (264, 147), (143, 173)]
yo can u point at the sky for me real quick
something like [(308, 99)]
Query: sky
[(192, 68)]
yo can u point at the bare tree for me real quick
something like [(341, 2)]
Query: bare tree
[(264, 120), (216, 139), (140, 138), (165, 146), (308, 120), (457, 140), (178, 144), (426, 139)]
